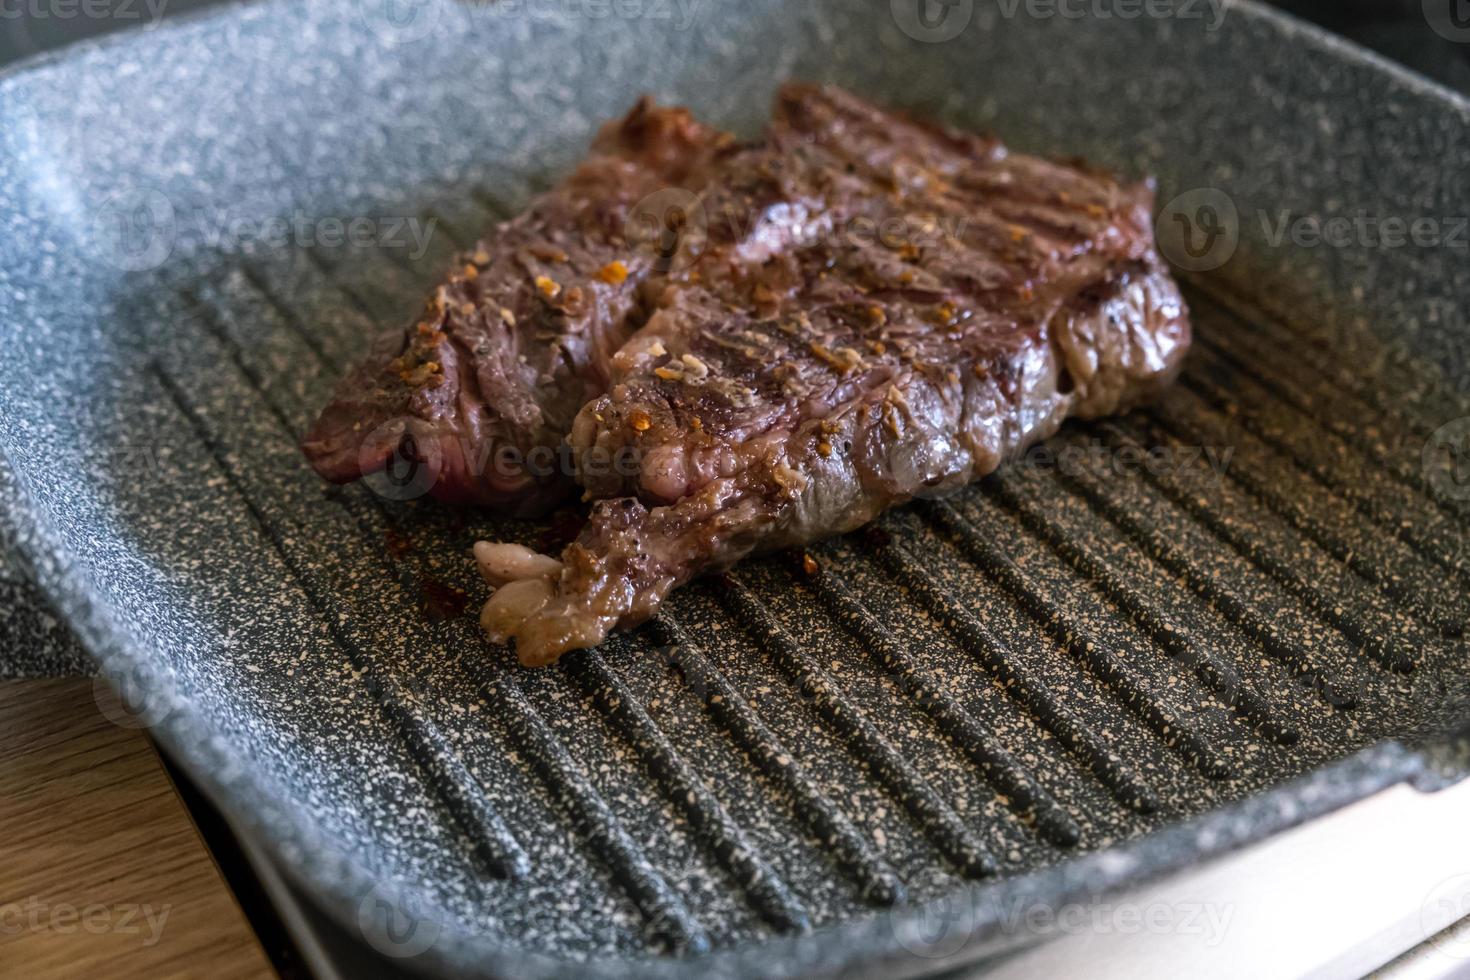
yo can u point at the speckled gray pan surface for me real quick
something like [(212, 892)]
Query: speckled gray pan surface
[(1069, 679), (34, 642)]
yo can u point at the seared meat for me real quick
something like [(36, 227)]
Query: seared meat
[(484, 386), (795, 390)]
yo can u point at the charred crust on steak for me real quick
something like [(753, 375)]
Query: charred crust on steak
[(517, 336), (839, 373)]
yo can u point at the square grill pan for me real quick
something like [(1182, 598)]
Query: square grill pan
[(1063, 681)]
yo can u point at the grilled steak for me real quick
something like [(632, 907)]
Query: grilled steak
[(786, 392), (483, 388)]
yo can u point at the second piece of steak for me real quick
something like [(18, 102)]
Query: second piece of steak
[(798, 393), (482, 389)]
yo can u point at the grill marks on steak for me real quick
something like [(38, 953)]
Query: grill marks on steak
[(795, 390), (520, 334)]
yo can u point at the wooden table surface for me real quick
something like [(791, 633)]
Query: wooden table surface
[(102, 872)]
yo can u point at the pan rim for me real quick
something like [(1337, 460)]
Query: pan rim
[(844, 944)]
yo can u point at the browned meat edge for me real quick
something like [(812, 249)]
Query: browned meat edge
[(794, 388), (484, 385)]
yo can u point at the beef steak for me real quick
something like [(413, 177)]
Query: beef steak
[(483, 387), (932, 305)]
